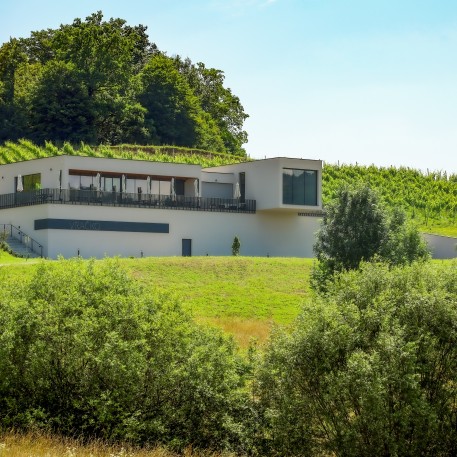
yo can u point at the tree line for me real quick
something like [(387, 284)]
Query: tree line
[(368, 368), (105, 82)]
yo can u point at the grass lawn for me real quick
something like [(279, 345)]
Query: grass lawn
[(8, 259), (244, 296), (441, 230)]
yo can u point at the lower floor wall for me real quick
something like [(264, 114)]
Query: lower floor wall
[(91, 231), (441, 247)]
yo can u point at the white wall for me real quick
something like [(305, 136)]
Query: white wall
[(211, 233), (441, 247), (264, 181)]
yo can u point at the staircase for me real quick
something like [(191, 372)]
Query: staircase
[(20, 249), (21, 244)]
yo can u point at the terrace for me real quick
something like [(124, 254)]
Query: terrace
[(125, 199)]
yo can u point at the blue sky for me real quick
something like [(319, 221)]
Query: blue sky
[(366, 81)]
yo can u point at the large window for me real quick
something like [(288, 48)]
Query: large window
[(30, 182), (299, 187)]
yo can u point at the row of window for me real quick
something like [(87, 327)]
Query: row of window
[(299, 186), (131, 186)]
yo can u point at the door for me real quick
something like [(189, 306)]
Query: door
[(186, 247)]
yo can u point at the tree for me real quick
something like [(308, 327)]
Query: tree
[(173, 109), (125, 90), (62, 109), (216, 100), (236, 245), (358, 226), (368, 369)]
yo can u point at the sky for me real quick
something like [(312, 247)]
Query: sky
[(345, 81)]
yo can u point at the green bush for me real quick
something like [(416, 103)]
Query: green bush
[(358, 226), (369, 369), (85, 351)]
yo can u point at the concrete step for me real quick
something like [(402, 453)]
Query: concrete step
[(20, 249)]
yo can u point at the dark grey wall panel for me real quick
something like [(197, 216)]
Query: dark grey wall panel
[(103, 226)]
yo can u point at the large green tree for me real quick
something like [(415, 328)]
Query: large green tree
[(125, 90), (173, 109), (358, 226), (218, 101)]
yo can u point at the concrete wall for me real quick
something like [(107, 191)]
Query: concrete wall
[(212, 233), (51, 167), (264, 181), (441, 247)]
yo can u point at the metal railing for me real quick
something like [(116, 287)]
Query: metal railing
[(27, 242), (136, 200)]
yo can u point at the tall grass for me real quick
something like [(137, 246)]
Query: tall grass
[(41, 445)]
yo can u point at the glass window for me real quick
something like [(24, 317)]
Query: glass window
[(299, 187), (74, 181), (31, 182)]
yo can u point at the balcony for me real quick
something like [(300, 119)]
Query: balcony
[(122, 199)]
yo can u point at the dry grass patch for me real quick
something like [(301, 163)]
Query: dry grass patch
[(244, 331), (42, 445)]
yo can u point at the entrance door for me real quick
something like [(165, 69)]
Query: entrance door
[(186, 247)]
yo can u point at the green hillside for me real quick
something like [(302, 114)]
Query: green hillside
[(11, 152), (429, 198), (244, 296)]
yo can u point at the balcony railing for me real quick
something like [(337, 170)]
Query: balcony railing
[(103, 198)]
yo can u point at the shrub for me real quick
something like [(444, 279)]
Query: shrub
[(369, 369), (86, 351), (357, 226), (236, 245)]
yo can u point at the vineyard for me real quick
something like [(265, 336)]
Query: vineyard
[(23, 150), (429, 198)]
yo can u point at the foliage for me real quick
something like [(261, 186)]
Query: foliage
[(357, 226), (104, 82), (369, 369), (217, 101), (236, 245), (429, 198), (23, 150), (86, 351)]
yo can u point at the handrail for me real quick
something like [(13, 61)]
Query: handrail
[(138, 200), (23, 238)]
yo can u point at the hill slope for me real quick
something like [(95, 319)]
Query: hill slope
[(429, 198)]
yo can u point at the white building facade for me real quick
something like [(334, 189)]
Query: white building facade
[(97, 207)]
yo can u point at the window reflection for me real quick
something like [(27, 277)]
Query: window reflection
[(299, 187)]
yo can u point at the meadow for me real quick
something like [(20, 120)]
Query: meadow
[(244, 296)]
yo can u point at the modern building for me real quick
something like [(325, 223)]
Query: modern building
[(95, 207)]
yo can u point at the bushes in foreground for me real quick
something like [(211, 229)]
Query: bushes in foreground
[(369, 367), (85, 351)]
